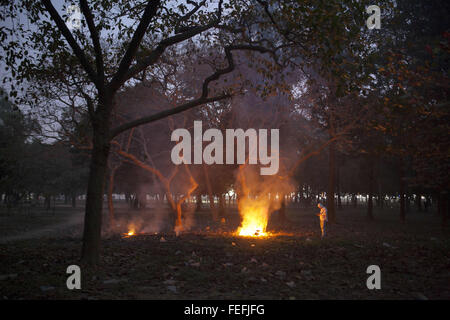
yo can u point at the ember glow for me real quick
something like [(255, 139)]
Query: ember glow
[(131, 230)]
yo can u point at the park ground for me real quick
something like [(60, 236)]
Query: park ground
[(209, 262)]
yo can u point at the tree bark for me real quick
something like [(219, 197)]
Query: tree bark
[(94, 200)]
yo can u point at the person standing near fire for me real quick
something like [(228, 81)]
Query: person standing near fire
[(323, 215)]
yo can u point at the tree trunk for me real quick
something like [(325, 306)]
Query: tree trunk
[(427, 203), (282, 212), (402, 194), (142, 200), (419, 202), (210, 194), (380, 197), (128, 199), (94, 200), (331, 184), (338, 191), (407, 200), (171, 202), (110, 198), (47, 202), (74, 201), (299, 196), (221, 205), (178, 219), (380, 202), (371, 187), (198, 198), (444, 208)]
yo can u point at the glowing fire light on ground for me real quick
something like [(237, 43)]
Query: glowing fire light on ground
[(131, 231), (255, 216)]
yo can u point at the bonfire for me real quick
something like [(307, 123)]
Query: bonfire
[(255, 216)]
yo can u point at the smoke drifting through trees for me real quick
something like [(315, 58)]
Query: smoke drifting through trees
[(345, 98)]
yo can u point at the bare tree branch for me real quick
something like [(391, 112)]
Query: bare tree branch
[(186, 17), (203, 99), (120, 76), (96, 42), (166, 113), (70, 39), (156, 53)]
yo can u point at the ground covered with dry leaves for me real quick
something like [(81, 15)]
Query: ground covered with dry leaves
[(414, 258)]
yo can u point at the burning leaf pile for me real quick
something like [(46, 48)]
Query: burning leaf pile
[(258, 199), (255, 216), (131, 231)]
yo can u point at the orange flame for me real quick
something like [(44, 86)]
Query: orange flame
[(131, 230), (255, 216)]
